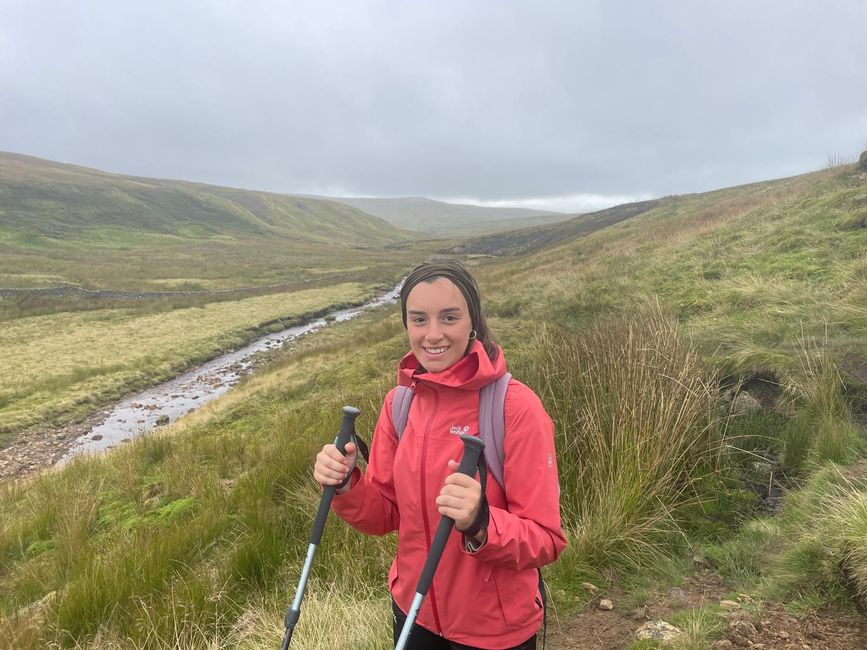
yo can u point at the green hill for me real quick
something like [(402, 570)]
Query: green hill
[(633, 335), (438, 218), (532, 238), (61, 223), (56, 201)]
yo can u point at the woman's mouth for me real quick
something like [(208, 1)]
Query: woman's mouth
[(435, 351)]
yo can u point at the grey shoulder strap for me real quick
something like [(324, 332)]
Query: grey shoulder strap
[(400, 408), (492, 425)]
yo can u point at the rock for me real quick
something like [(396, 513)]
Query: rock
[(745, 403), (162, 420), (658, 631), (589, 586), (729, 605), (698, 559), (783, 635), (606, 604), (135, 405), (678, 596), (151, 407), (741, 632), (96, 437), (721, 644)]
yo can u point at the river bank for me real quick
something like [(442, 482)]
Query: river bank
[(38, 447)]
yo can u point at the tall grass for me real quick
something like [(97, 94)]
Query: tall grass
[(821, 428), (815, 552), (636, 430)]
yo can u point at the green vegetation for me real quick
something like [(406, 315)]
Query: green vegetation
[(100, 355), (436, 218), (66, 224), (636, 337)]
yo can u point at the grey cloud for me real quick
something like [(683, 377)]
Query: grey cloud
[(492, 100)]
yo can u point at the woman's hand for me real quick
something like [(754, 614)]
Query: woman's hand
[(332, 467), (460, 498)]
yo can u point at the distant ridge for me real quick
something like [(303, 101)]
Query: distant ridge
[(527, 240), (448, 219), (62, 201)]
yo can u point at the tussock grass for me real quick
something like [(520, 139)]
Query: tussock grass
[(636, 431), (814, 553), (822, 429)]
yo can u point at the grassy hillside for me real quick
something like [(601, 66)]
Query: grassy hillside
[(437, 218), (532, 238), (632, 334), (66, 224)]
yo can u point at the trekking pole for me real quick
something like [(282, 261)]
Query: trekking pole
[(473, 448), (293, 613)]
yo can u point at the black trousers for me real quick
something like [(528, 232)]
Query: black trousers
[(422, 639)]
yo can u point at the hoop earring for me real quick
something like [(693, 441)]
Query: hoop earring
[(473, 334)]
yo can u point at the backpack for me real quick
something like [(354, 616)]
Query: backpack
[(492, 431)]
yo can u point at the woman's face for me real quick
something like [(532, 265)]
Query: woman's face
[(438, 324)]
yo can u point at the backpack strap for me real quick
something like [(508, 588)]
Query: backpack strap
[(400, 408), (492, 425)]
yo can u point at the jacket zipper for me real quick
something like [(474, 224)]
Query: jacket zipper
[(427, 529)]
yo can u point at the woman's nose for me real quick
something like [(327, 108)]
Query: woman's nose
[(433, 332)]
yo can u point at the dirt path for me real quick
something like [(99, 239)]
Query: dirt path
[(769, 627)]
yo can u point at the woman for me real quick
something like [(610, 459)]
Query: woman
[(485, 591)]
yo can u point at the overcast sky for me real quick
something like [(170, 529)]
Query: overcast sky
[(567, 105)]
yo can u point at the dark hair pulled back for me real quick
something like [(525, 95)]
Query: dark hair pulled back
[(460, 276)]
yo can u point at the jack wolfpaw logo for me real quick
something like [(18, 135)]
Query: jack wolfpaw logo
[(459, 431)]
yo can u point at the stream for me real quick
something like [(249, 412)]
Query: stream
[(166, 402)]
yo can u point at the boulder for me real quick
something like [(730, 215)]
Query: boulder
[(745, 403), (658, 631)]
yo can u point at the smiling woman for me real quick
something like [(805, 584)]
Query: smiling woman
[(485, 592)]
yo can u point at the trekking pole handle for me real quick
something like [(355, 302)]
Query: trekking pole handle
[(344, 435), (473, 448)]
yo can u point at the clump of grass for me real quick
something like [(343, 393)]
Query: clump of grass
[(699, 625), (811, 555), (821, 429), (636, 430)]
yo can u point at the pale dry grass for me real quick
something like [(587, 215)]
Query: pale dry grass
[(94, 353)]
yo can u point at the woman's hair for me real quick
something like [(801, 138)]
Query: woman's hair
[(460, 276)]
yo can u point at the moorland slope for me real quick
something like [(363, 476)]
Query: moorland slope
[(638, 337)]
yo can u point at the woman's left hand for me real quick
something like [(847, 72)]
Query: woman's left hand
[(460, 498)]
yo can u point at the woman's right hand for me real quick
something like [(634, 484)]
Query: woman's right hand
[(332, 467)]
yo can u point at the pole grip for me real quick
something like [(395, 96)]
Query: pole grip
[(344, 435), (473, 448)]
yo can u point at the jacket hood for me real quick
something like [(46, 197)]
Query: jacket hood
[(473, 371)]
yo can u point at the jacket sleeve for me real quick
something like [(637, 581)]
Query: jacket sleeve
[(527, 534), (370, 505)]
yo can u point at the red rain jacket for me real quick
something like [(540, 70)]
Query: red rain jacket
[(487, 599)]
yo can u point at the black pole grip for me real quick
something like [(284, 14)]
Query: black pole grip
[(473, 448), (347, 429)]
